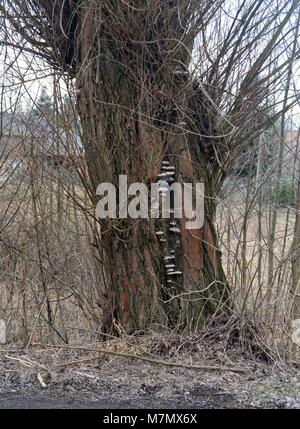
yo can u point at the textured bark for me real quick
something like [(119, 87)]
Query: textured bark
[(129, 116)]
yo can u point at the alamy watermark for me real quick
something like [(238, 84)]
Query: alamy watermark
[(161, 199)]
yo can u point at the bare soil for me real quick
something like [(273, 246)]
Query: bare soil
[(93, 399)]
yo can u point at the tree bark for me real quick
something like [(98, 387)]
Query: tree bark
[(134, 115)]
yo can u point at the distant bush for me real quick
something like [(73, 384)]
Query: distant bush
[(284, 196)]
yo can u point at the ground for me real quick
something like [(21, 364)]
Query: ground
[(65, 377), (116, 384)]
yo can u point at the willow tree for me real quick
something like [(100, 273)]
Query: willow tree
[(160, 83)]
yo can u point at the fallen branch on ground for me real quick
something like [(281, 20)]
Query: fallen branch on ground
[(144, 358), (28, 362)]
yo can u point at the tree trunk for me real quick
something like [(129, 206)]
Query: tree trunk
[(135, 111)]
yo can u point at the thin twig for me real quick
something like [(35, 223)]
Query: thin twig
[(29, 363)]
